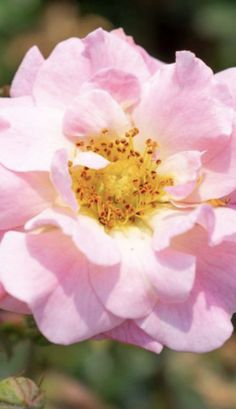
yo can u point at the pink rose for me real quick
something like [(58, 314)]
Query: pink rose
[(117, 192)]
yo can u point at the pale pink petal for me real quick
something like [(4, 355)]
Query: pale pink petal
[(180, 192), (184, 169), (120, 32), (53, 281), (228, 77), (152, 63), (26, 74), (172, 273), (129, 333), (15, 102), (170, 223), (203, 322), (11, 304), (122, 86), (218, 176), (23, 195), (183, 108), (87, 234), (61, 178), (196, 325), (169, 273), (93, 112), (61, 75), (32, 138), (126, 291), (225, 225), (4, 124), (90, 159), (106, 50), (143, 277)]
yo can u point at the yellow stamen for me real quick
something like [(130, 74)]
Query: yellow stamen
[(127, 188)]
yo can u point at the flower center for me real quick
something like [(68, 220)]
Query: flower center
[(127, 188)]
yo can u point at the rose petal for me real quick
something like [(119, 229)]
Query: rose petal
[(23, 195), (183, 108), (32, 138), (129, 333), (62, 74), (122, 86), (228, 77), (93, 112), (61, 178), (53, 280), (26, 74), (172, 273), (218, 177), (126, 291), (105, 50), (91, 160), (86, 233), (184, 169), (225, 225), (170, 223), (152, 63), (203, 322)]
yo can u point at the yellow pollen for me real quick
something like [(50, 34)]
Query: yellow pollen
[(127, 188)]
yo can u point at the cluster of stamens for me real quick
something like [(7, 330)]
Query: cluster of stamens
[(127, 188)]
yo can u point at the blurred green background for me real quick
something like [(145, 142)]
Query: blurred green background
[(106, 375)]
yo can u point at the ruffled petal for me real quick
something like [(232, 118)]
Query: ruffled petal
[(183, 108), (225, 225), (91, 160), (218, 176), (85, 232), (228, 77), (170, 223), (6, 102), (203, 322), (62, 74), (184, 169), (106, 50), (129, 333), (11, 304), (126, 291), (26, 74), (32, 138), (152, 63), (61, 178), (143, 276), (172, 273), (93, 112), (122, 86), (53, 281), (196, 325), (23, 195)]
